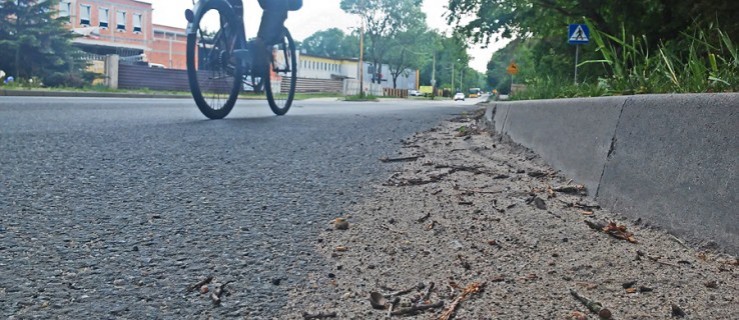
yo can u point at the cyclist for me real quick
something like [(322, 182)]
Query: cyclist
[(274, 14)]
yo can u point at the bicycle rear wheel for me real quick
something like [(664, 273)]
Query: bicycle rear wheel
[(215, 81), (280, 84)]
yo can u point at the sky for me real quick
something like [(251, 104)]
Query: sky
[(317, 15)]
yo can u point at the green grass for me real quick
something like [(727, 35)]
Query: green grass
[(701, 61), (360, 98)]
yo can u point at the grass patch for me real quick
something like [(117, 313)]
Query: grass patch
[(701, 61), (361, 98)]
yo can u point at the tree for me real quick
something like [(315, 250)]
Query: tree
[(34, 41), (410, 49), (384, 19), (332, 43), (657, 19)]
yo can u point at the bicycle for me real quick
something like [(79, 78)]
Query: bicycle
[(219, 63)]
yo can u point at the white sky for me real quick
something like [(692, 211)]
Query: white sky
[(316, 15)]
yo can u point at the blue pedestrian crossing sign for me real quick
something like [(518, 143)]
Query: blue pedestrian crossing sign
[(579, 34)]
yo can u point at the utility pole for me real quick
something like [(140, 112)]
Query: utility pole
[(361, 59), (453, 89), (433, 77)]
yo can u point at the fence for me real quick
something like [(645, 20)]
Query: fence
[(314, 85), (128, 74), (140, 77), (398, 93)]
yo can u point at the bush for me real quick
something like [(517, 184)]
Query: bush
[(504, 87), (59, 79)]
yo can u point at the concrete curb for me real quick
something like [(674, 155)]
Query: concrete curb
[(38, 93), (668, 159)]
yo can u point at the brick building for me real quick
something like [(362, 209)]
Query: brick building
[(124, 27)]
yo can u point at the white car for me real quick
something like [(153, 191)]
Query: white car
[(459, 96), (414, 93)]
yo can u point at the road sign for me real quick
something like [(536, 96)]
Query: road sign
[(578, 34), (512, 69)]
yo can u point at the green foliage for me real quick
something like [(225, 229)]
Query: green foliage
[(384, 20), (695, 63), (33, 43), (636, 46), (331, 43)]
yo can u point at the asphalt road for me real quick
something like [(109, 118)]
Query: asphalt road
[(110, 208)]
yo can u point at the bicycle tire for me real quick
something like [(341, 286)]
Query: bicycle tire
[(284, 66), (214, 79)]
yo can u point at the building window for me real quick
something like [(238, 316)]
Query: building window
[(64, 8), (85, 15), (120, 21), (103, 13), (137, 19)]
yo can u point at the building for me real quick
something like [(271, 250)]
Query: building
[(125, 28), (316, 67)]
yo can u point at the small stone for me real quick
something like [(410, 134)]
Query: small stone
[(204, 289), (605, 313), (276, 281), (711, 284), (331, 275), (119, 282), (540, 204), (629, 284), (340, 224), (677, 312)]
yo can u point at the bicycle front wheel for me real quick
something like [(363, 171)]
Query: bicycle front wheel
[(215, 81), (280, 84)]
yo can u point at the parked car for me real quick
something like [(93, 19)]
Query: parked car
[(459, 96), (414, 93)]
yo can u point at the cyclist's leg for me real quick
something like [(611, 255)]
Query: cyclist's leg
[(238, 7), (270, 32)]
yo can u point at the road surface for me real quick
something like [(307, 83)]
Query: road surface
[(113, 207)]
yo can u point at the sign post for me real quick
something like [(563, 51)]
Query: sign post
[(578, 34), (512, 71)]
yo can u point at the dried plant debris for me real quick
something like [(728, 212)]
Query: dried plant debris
[(613, 229), (592, 305), (471, 215), (472, 288)]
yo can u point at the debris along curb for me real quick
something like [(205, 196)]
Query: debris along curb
[(78, 94), (470, 227), (668, 159)]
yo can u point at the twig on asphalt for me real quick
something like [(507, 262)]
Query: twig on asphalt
[(594, 306), (470, 289), (427, 293), (422, 219), (418, 286), (200, 284), (411, 158), (308, 316), (418, 307), (656, 259), (480, 191), (676, 239), (391, 229)]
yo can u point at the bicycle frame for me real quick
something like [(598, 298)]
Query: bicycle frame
[(204, 5)]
